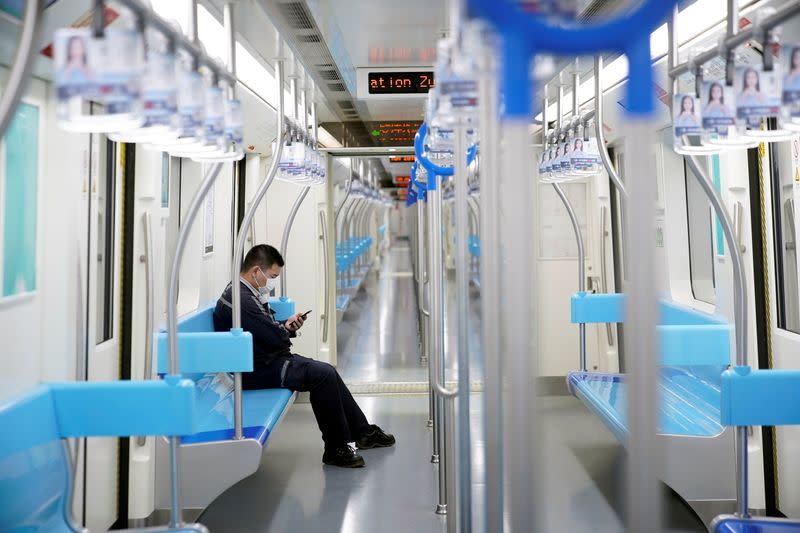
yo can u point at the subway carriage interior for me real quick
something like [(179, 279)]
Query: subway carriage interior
[(550, 245)]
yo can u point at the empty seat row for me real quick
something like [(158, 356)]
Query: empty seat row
[(348, 252)]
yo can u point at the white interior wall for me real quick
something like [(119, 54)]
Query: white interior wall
[(302, 271), (204, 275), (39, 339)]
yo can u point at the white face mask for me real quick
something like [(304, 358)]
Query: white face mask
[(272, 283), (263, 292)]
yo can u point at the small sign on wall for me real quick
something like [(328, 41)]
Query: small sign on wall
[(208, 225)]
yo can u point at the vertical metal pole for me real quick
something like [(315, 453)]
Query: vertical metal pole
[(172, 329), (489, 132), (455, 520), (643, 465), (464, 473), (436, 356), (433, 355), (518, 323), (230, 37)]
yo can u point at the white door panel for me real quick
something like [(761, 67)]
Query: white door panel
[(104, 206), (785, 340)]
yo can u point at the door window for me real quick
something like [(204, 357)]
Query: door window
[(104, 193), (701, 251), (782, 161)]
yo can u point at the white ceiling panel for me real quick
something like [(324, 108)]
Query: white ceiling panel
[(385, 33)]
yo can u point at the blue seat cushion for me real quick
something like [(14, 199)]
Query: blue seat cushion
[(341, 301), (690, 400), (261, 410), (733, 524)]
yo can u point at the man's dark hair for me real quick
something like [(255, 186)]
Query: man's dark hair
[(262, 255)]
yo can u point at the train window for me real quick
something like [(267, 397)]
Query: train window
[(785, 238), (104, 186), (701, 251)]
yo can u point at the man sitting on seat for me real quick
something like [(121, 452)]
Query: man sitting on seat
[(340, 419)]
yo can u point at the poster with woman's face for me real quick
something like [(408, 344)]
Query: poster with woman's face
[(686, 115), (72, 72), (757, 93), (790, 62), (718, 106), (565, 160)]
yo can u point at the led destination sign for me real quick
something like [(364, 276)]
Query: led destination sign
[(400, 82)]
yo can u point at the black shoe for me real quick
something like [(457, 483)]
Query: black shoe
[(375, 438), (343, 456)]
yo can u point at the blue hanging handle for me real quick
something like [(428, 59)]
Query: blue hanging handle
[(432, 168), (525, 34)]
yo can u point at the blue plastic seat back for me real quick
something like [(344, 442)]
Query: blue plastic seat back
[(198, 321), (34, 472)]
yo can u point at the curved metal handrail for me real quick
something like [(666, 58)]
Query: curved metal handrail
[(287, 229), (31, 24), (581, 266), (236, 262), (173, 356), (347, 189)]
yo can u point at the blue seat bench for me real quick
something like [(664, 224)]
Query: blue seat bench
[(212, 460), (35, 470), (346, 261), (694, 351)]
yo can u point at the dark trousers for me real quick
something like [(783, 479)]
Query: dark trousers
[(339, 417)]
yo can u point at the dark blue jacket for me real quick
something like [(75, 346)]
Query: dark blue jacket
[(270, 337)]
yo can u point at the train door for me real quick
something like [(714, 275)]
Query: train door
[(779, 343), (95, 503), (156, 186)]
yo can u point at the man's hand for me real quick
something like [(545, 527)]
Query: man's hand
[(295, 322)]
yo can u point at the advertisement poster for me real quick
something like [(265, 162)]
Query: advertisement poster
[(19, 160)]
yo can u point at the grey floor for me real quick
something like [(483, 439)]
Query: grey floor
[(377, 339), (396, 492)]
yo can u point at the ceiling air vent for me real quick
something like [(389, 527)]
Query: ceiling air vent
[(313, 38), (337, 87), (345, 104), (329, 75), (297, 16)]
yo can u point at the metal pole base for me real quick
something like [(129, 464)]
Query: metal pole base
[(441, 508), (435, 458), (430, 423)]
